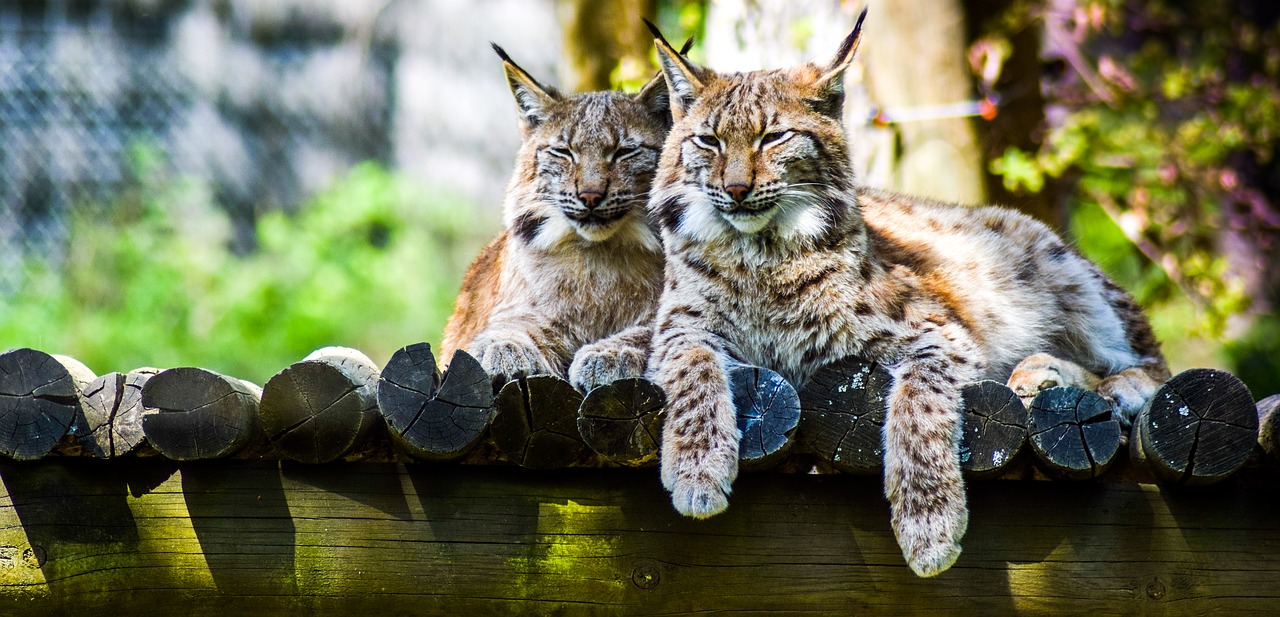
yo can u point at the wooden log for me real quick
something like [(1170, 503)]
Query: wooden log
[(1074, 433), (110, 423), (39, 400), (842, 416), (622, 421), (146, 537), (995, 428), (430, 416), (319, 409), (768, 415), (1269, 429), (1199, 428), (200, 414), (536, 425)]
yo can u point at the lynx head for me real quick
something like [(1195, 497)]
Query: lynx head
[(756, 154), (585, 163)]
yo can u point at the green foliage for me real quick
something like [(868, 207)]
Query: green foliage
[(373, 263), (1171, 109)]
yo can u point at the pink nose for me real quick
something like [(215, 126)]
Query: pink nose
[(738, 192), (591, 199)]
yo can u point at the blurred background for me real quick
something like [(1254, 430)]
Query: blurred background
[(233, 183)]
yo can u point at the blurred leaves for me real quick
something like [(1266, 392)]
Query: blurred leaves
[(374, 262)]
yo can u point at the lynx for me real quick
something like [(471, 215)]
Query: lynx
[(775, 257), (578, 260)]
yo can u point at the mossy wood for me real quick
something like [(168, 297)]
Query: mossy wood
[(319, 409), (432, 416), (200, 414), (622, 421), (153, 538), (1199, 428), (1073, 433), (995, 428)]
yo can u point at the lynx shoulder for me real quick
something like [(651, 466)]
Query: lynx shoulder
[(776, 257), (578, 260)]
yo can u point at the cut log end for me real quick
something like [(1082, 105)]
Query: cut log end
[(200, 414), (995, 428), (430, 416), (768, 415), (536, 424), (1199, 428), (1269, 428), (622, 422), (319, 409), (39, 401), (1073, 433), (843, 413), (110, 423)]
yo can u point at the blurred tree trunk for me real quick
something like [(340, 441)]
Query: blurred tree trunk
[(915, 54), (601, 36)]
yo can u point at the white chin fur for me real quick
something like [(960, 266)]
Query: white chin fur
[(599, 233), (750, 223)]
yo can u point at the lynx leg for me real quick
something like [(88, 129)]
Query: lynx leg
[(509, 354), (1042, 371), (699, 458)]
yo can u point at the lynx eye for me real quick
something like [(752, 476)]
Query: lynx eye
[(774, 138), (707, 141), (625, 152), (563, 153)]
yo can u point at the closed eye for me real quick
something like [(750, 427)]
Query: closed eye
[(707, 141), (625, 152), (563, 153), (775, 137)]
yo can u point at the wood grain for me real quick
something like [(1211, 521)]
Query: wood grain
[(151, 538)]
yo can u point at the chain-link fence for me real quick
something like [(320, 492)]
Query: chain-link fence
[(264, 116)]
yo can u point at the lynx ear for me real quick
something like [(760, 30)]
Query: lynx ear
[(685, 79), (654, 95), (828, 96), (532, 98)]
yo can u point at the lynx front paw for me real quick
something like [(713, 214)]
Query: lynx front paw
[(700, 485), (598, 365), (1043, 371), (930, 539), (505, 360)]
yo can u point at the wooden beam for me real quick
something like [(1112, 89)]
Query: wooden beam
[(153, 537)]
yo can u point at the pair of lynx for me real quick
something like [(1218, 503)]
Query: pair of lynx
[(758, 247)]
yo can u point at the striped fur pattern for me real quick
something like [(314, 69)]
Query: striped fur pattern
[(776, 258), (579, 263)]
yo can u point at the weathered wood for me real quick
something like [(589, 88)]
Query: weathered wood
[(842, 416), (622, 421), (39, 400), (149, 538), (111, 412), (201, 414), (995, 428), (1199, 428), (768, 415), (1073, 433), (536, 425), (1269, 429), (319, 409), (434, 417)]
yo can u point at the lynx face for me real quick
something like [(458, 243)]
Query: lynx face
[(753, 153), (586, 161)]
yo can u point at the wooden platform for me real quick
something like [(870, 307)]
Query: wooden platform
[(154, 537)]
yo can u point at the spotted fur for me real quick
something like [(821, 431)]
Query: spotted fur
[(578, 264), (776, 258)]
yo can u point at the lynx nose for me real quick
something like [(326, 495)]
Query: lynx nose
[(591, 199), (738, 192)]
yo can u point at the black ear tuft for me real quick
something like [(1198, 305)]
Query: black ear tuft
[(688, 44), (502, 53)]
